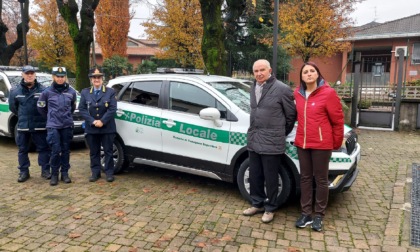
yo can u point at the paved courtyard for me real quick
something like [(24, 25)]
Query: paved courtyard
[(149, 209)]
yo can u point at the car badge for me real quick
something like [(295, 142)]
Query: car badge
[(106, 104)]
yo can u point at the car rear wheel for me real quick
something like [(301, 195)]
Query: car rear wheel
[(285, 183), (118, 156)]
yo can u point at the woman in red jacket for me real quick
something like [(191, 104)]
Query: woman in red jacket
[(320, 130)]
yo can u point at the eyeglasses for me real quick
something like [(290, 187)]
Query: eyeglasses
[(96, 77)]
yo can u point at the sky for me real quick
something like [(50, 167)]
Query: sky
[(369, 10)]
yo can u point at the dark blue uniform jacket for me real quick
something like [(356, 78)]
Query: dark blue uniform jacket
[(22, 102), (58, 106), (103, 107)]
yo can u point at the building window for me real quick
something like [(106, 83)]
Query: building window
[(415, 57), (377, 69)]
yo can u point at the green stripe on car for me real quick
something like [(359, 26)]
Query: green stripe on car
[(221, 136), (4, 108)]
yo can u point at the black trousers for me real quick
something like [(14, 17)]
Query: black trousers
[(263, 174), (95, 141)]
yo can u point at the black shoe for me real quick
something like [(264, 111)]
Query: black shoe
[(23, 177), (65, 178), (110, 178), (317, 224), (54, 180), (46, 174), (94, 178), (303, 221)]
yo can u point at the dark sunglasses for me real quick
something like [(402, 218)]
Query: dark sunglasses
[(96, 77)]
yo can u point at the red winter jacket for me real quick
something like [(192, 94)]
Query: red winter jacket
[(320, 118)]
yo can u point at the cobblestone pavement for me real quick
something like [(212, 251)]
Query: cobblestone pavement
[(149, 209)]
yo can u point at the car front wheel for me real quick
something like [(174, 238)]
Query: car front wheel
[(118, 156), (285, 183)]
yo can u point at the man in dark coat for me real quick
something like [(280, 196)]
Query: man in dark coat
[(22, 102), (273, 115), (98, 106)]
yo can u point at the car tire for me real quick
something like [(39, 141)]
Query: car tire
[(118, 155), (285, 183)]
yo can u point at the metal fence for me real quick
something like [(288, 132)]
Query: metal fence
[(379, 93)]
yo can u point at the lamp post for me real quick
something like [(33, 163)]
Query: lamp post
[(25, 50)]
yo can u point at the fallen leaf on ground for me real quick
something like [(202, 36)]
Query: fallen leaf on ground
[(119, 213), (201, 244), (77, 217), (331, 227), (146, 190), (226, 238), (74, 235), (192, 190)]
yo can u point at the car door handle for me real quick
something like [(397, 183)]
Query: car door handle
[(169, 123), (120, 112)]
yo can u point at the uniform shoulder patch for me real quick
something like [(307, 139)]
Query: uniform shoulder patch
[(41, 104)]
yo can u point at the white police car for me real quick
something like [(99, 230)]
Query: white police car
[(197, 124)]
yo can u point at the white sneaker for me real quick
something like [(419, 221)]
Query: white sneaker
[(253, 210), (267, 217)]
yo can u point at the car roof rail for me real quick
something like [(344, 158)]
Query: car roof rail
[(13, 68), (179, 70)]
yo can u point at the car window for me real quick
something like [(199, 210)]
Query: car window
[(117, 87), (3, 87), (237, 92), (44, 80), (191, 99), (15, 80), (143, 92)]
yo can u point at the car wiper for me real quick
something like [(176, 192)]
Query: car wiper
[(231, 88)]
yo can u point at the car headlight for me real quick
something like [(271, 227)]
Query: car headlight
[(349, 143)]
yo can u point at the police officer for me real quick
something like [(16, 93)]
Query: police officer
[(98, 106), (22, 102), (57, 103)]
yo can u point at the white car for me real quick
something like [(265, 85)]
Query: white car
[(12, 76), (198, 124)]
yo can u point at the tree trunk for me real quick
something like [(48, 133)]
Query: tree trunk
[(7, 51), (82, 36), (212, 46)]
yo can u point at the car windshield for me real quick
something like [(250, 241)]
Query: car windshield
[(237, 92), (44, 80)]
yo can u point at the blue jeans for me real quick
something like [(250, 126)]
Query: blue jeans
[(59, 141), (23, 142)]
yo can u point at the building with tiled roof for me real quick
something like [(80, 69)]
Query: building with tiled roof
[(375, 45), (138, 50)]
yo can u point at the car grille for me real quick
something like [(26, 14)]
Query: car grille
[(351, 143), (77, 116)]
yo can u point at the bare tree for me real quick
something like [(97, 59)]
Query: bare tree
[(8, 49)]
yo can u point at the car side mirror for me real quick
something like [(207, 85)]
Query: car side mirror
[(2, 97), (211, 114)]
